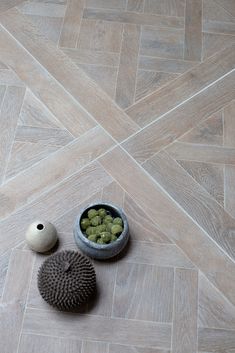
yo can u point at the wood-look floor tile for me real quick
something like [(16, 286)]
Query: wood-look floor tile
[(45, 87), (63, 163), (47, 9), (219, 27), (214, 340), (134, 18), (50, 27), (166, 43), (83, 56), (126, 80), (9, 115), (95, 347), (172, 125), (144, 292), (194, 200), (184, 335), (53, 204), (164, 65), (202, 153), (215, 42), (214, 309), (113, 193), (215, 12), (182, 88), (71, 25), (202, 251), (73, 79), (85, 327), (43, 344), (135, 5), (228, 5), (7, 4), (9, 78), (229, 137), (106, 4), (165, 7), (117, 348), (193, 30), (4, 260)]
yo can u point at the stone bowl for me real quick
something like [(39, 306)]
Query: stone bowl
[(100, 251)]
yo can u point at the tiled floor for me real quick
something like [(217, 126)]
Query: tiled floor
[(129, 101)]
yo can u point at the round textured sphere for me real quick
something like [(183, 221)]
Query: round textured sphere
[(66, 279), (41, 236)]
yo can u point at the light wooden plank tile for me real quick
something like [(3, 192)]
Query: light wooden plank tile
[(202, 153), (229, 137), (45, 136), (165, 7), (215, 42), (228, 5), (166, 43), (53, 204), (7, 4), (98, 35), (95, 347), (203, 252), (14, 297), (144, 292), (83, 56), (117, 348), (184, 336), (210, 176), (214, 309), (213, 340), (113, 193), (71, 25), (24, 155), (168, 255), (122, 331), (58, 166), (106, 4), (2, 93), (141, 226), (4, 260), (149, 81), (193, 30), (162, 132), (126, 79), (42, 9), (9, 114), (9, 78), (165, 65), (182, 88), (74, 80), (50, 27), (135, 5), (45, 88), (203, 209), (219, 27), (215, 12), (134, 18), (43, 344)]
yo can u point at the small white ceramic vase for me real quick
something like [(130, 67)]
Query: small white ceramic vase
[(41, 236)]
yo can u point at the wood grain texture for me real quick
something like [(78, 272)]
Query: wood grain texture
[(172, 125), (134, 18), (4, 261), (165, 7), (117, 348), (9, 114), (144, 292), (215, 42), (47, 9), (43, 344), (89, 56), (182, 88), (74, 80), (203, 252), (126, 80), (229, 172), (122, 331), (214, 309), (203, 209), (184, 336), (164, 65), (9, 78), (95, 347), (214, 340), (71, 25), (59, 166), (53, 204), (7, 4), (14, 299), (202, 153), (106, 4), (135, 5), (44, 87), (113, 193), (193, 30)]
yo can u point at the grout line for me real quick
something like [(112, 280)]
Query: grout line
[(137, 66), (114, 291), (119, 62), (173, 310)]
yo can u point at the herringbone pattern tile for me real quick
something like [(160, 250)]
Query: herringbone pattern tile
[(129, 101)]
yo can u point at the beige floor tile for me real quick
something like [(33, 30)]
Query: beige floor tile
[(193, 30)]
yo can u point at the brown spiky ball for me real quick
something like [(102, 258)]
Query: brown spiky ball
[(66, 279)]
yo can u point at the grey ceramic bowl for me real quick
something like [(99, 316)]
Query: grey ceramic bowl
[(99, 251)]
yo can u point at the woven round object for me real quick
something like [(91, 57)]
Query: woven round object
[(66, 279)]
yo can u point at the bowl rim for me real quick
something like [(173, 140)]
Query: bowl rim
[(79, 233)]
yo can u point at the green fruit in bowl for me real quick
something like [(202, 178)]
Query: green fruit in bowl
[(100, 241), (101, 228), (92, 213), (93, 237), (95, 221), (102, 212), (90, 231), (113, 238), (85, 223), (116, 229), (109, 227), (105, 236), (118, 221), (108, 219)]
